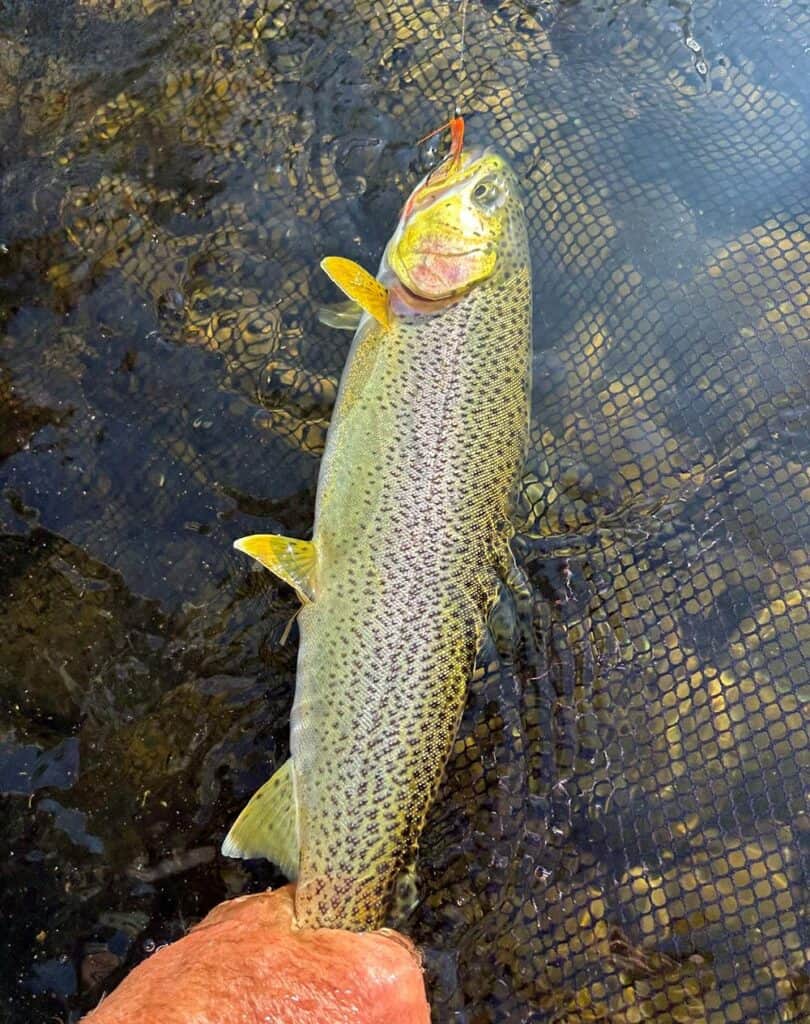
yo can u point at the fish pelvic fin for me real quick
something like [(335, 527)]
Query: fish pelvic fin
[(291, 560), (268, 825), (343, 316), (361, 286)]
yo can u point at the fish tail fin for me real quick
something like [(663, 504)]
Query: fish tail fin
[(268, 826)]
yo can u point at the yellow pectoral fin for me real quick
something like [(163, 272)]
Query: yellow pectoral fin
[(291, 560), (359, 285), (268, 826)]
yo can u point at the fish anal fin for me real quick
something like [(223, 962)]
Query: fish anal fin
[(268, 826), (361, 286), (291, 560)]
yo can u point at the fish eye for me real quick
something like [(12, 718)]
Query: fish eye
[(488, 194)]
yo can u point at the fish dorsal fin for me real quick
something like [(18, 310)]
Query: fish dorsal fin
[(356, 283), (268, 826), (291, 560)]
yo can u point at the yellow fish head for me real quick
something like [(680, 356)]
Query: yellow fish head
[(454, 226)]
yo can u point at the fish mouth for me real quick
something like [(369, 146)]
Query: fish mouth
[(446, 170), (445, 176), (407, 302), (447, 251)]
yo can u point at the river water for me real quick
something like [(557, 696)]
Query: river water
[(622, 835)]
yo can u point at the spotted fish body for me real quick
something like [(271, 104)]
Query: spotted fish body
[(411, 531)]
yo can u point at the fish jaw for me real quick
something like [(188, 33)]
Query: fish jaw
[(443, 251)]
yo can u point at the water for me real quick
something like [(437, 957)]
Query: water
[(623, 834)]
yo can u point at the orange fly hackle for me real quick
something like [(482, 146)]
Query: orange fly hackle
[(456, 126)]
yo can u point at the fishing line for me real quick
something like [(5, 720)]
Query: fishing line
[(461, 55)]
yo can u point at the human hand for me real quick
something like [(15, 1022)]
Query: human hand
[(246, 964)]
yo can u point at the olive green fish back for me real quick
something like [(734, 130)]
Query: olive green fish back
[(622, 834)]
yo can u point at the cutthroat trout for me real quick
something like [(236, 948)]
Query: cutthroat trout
[(411, 533)]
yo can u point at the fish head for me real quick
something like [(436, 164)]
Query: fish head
[(455, 226)]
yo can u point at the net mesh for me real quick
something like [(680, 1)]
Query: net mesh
[(622, 834)]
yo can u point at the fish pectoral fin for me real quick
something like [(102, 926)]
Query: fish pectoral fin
[(343, 316), (361, 286), (268, 826), (291, 560)]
